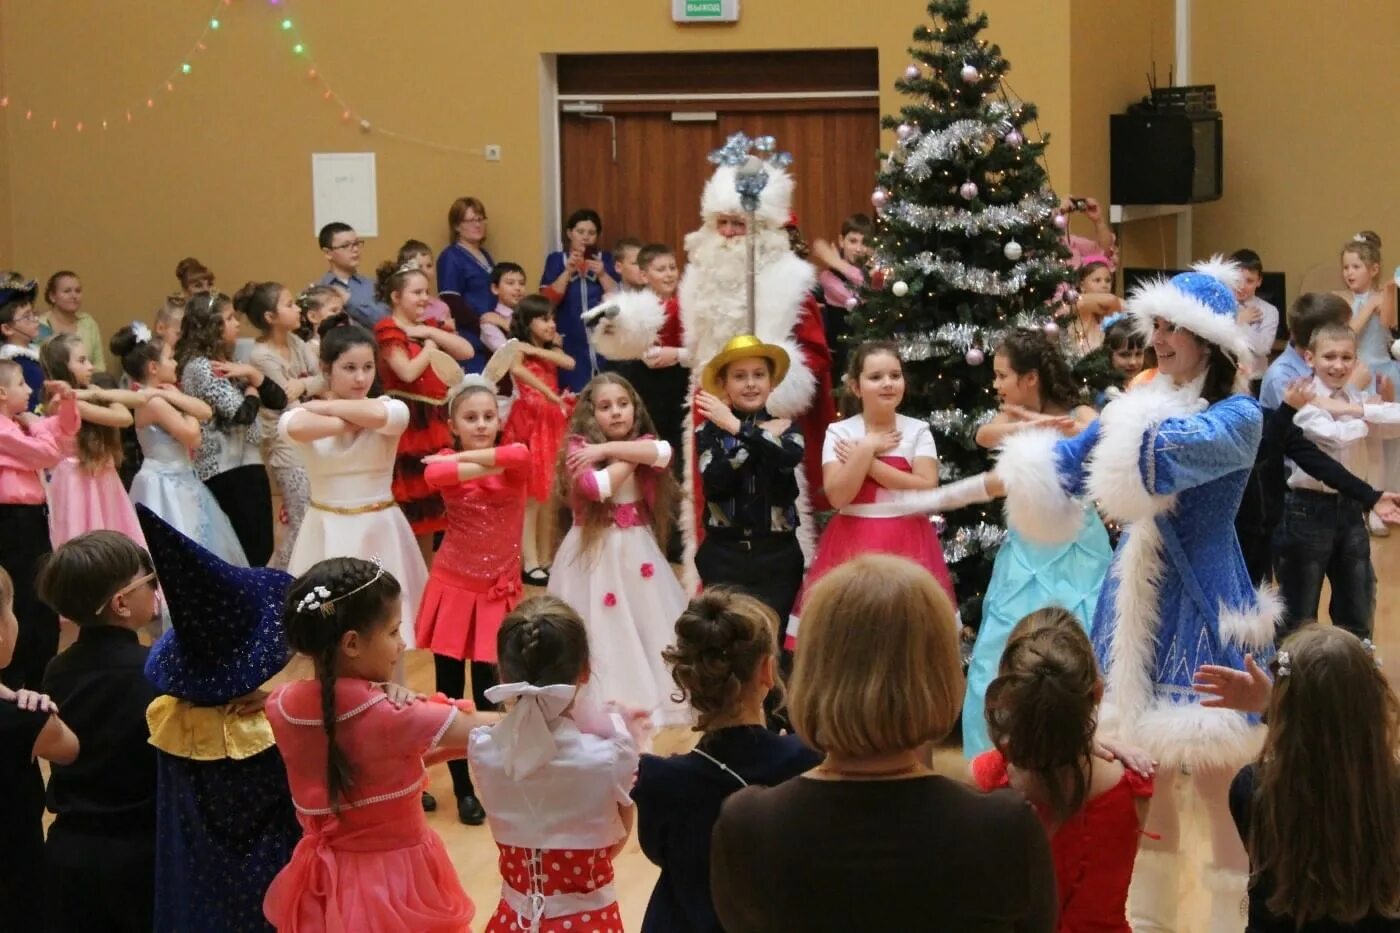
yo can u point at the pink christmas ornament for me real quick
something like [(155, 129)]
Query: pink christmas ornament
[(904, 131), (968, 190), (1051, 329), (1071, 295), (975, 357), (1014, 139), (970, 74), (912, 72), (852, 303), (1060, 221), (879, 197)]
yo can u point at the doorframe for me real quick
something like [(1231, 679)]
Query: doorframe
[(551, 157)]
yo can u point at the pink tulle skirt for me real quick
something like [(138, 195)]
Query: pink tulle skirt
[(82, 500), (380, 868), (849, 536)]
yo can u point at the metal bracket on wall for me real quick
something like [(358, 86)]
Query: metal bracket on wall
[(592, 111)]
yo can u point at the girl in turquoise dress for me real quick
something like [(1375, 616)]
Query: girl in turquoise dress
[(1033, 382)]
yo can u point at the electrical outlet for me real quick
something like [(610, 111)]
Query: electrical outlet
[(493, 153)]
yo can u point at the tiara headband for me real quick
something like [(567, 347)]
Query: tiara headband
[(320, 599), (1284, 659), (410, 266), (17, 289)]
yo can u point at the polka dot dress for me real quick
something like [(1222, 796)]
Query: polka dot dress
[(566, 871)]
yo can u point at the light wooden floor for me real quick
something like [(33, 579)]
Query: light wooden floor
[(474, 854)]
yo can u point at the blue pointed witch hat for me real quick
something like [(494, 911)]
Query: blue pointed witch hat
[(225, 637)]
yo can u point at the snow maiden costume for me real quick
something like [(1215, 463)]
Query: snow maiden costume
[(1172, 468), (224, 819)]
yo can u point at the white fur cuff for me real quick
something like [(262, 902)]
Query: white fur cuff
[(1253, 628), (794, 394), (628, 324), (1116, 475), (1037, 506)]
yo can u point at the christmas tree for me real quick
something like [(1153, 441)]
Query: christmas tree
[(970, 240)]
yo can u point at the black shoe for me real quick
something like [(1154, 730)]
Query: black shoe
[(537, 577), (429, 802), (469, 811)]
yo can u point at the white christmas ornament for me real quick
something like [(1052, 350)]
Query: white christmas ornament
[(968, 190), (1014, 139), (1012, 250), (970, 74), (905, 130), (900, 288), (852, 303), (911, 72), (975, 357), (879, 197), (1051, 329), (1060, 221)]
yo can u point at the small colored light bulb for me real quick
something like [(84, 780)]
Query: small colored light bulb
[(286, 24)]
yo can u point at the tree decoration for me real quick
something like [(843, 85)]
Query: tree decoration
[(969, 227)]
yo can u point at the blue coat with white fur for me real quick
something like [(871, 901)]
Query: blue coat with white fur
[(1171, 469)]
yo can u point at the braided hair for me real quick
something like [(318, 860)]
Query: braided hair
[(721, 640), (542, 642), (362, 597), (1032, 351), (1042, 706)]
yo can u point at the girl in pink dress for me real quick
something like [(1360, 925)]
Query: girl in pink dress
[(866, 460), (85, 492), (475, 578), (537, 420), (355, 749), (1042, 710), (556, 776)]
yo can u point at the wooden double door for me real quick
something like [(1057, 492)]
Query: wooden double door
[(651, 189)]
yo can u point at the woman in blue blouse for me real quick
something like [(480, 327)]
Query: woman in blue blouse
[(464, 269), (576, 279)]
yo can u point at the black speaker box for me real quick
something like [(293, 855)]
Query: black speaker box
[(1165, 157)]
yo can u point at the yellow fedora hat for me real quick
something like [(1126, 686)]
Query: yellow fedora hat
[(744, 347)]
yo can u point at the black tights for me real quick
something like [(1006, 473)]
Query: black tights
[(451, 676)]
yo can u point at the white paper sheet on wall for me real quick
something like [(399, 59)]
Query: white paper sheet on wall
[(343, 189)]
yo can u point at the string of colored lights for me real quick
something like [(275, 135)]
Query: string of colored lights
[(126, 115), (348, 112)]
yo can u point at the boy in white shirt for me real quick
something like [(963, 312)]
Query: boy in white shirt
[(1324, 534), (1256, 314)]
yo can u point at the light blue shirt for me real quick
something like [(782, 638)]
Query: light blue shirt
[(1289, 366), (362, 306)]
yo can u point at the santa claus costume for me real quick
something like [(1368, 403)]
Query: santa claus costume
[(714, 309)]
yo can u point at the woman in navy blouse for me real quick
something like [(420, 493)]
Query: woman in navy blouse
[(464, 269), (576, 279)]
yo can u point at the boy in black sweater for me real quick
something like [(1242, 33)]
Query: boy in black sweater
[(100, 853)]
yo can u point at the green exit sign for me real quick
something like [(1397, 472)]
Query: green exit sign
[(705, 11)]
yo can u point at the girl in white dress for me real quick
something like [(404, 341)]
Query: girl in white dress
[(348, 443), (167, 428), (613, 475)]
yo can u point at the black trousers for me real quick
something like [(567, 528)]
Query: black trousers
[(766, 567), (99, 884), (245, 495), (451, 676), (24, 543)]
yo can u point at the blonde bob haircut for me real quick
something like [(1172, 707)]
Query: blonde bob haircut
[(878, 670)]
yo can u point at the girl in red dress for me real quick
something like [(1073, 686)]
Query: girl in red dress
[(537, 420), (415, 367), (355, 749), (868, 459), (1042, 710), (475, 579)]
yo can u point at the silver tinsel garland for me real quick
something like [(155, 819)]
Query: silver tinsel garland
[(955, 421), (959, 338), (981, 281), (970, 539), (1032, 209), (945, 143)]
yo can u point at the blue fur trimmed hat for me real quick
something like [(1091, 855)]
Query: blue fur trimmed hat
[(1201, 301)]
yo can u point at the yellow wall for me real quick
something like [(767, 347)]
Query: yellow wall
[(1114, 43), (1308, 92), (221, 169)]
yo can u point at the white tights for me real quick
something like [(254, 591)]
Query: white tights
[(1163, 817)]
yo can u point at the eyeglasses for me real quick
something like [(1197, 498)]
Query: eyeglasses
[(148, 579), (474, 220), (353, 244), (28, 317)]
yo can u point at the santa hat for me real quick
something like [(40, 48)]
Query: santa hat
[(1201, 301), (721, 196)]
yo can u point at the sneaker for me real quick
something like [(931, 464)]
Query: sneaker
[(470, 811), (1378, 528)]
